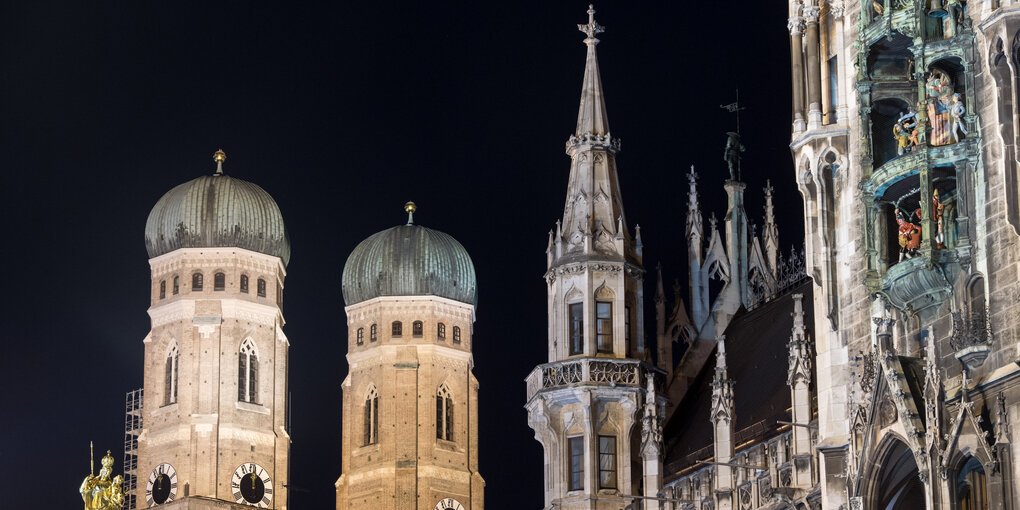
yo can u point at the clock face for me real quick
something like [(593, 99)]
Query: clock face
[(449, 504), (251, 485), (162, 485)]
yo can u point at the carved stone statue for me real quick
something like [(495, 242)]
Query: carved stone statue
[(732, 155), (100, 492)]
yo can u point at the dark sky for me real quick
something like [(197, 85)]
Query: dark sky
[(342, 113)]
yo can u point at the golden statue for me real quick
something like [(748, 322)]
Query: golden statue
[(100, 492)]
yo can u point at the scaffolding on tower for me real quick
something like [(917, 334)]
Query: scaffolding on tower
[(132, 428)]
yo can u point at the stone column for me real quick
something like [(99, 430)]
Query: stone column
[(814, 72), (651, 445), (736, 238), (796, 27), (838, 10)]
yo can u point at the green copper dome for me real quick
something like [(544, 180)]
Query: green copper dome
[(409, 260), (215, 211)]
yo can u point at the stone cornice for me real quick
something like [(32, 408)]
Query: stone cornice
[(449, 307), (374, 354), (168, 262), (184, 309)]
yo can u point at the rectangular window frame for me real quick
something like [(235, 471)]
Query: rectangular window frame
[(604, 326), (575, 331), (607, 463), (575, 463)]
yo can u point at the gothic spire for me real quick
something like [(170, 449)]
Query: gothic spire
[(799, 369), (695, 224), (722, 386), (591, 116), (770, 234)]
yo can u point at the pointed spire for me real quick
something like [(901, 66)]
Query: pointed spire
[(695, 225), (799, 369), (660, 292), (722, 386), (591, 116), (770, 236)]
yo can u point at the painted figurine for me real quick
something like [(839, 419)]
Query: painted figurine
[(902, 138), (958, 111), (909, 236), (938, 208)]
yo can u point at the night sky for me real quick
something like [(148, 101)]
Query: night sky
[(343, 113)]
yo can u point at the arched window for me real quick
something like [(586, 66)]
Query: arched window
[(441, 331), (162, 289), (976, 298), (371, 417), (177, 285), (170, 374), (398, 328), (248, 372), (244, 283), (456, 334), (417, 328), (219, 281), (970, 486), (361, 336), (196, 281), (373, 334), (261, 287), (444, 413)]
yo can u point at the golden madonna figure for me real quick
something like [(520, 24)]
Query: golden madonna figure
[(100, 492)]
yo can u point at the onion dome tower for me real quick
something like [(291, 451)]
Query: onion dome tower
[(215, 406), (410, 416)]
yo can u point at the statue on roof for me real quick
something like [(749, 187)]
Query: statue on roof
[(100, 492), (732, 154)]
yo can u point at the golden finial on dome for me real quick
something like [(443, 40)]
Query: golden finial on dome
[(410, 208), (219, 157)]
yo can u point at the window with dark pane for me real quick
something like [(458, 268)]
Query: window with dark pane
[(196, 281), (607, 462), (456, 334), (575, 451), (398, 328), (177, 285), (626, 324), (247, 372), (373, 334), (244, 283), (219, 281), (171, 373), (604, 325), (361, 336), (417, 328), (444, 413), (441, 331), (371, 417), (261, 287), (162, 289), (576, 328)]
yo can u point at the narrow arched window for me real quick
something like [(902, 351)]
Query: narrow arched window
[(219, 281), (177, 285), (444, 413), (976, 298), (261, 287), (398, 328), (371, 417), (247, 372), (373, 334), (170, 374), (162, 289), (361, 336), (456, 334), (971, 490), (441, 331), (196, 281), (244, 283), (417, 328)]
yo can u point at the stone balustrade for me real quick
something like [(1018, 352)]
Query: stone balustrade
[(586, 372)]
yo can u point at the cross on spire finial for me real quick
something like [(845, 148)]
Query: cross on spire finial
[(592, 28)]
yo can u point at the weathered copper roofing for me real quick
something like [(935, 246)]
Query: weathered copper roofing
[(409, 260), (217, 211)]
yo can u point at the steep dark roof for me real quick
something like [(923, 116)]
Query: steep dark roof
[(757, 358)]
